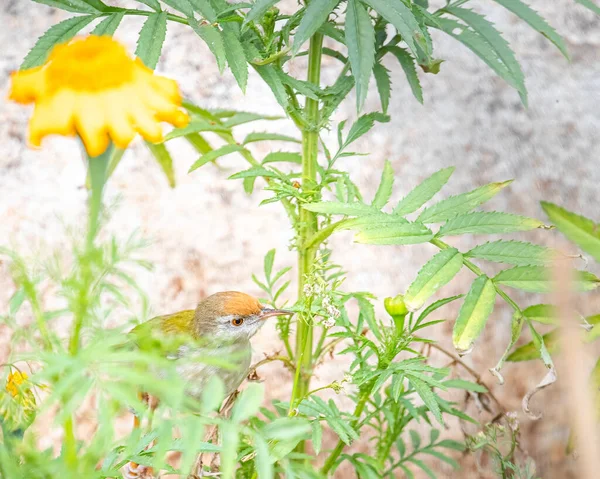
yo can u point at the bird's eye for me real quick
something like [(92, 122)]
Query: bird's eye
[(237, 321)]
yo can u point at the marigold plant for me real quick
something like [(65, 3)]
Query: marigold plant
[(89, 86)]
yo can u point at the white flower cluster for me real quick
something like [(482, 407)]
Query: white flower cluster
[(332, 312), (314, 289)]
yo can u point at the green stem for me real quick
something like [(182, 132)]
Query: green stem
[(358, 410), (308, 222), (143, 13), (97, 174), (97, 170)]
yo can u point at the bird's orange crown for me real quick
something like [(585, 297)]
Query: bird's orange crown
[(237, 303)]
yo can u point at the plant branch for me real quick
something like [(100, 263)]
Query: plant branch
[(473, 267), (358, 410)]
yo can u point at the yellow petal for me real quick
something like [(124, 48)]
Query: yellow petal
[(52, 115), (27, 85), (166, 87), (90, 123), (144, 123), (117, 120)]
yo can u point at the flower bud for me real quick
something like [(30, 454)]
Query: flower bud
[(397, 309)]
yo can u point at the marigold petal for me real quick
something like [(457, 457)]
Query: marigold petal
[(166, 87), (118, 121), (164, 109), (90, 120), (27, 85), (145, 124), (177, 118), (52, 115)]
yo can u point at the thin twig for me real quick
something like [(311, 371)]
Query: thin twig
[(471, 371)]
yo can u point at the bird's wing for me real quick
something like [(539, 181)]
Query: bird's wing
[(166, 333)]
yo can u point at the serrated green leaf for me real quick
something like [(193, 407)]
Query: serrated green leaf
[(384, 191), (317, 436), (241, 117), (196, 125), (437, 272), (456, 205), (474, 313), (249, 401), (436, 305), (407, 63), (518, 253), (384, 85), (370, 221), (410, 233), (214, 41), (269, 74), (362, 126), (264, 466), (427, 395), (153, 4), (77, 6), (253, 172), (152, 37), (214, 154), (229, 440), (579, 229), (109, 25), (337, 208), (235, 54), (541, 313), (360, 39), (60, 33), (164, 159), (466, 385), (258, 10), (527, 14), (266, 136), (500, 46), (315, 15), (481, 222), (442, 457), (305, 88), (198, 142), (415, 439), (205, 9), (423, 192), (478, 45), (287, 429), (282, 156), (403, 19), (536, 279), (591, 5), (329, 30), (183, 6), (529, 351)]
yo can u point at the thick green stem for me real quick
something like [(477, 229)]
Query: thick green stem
[(308, 222)]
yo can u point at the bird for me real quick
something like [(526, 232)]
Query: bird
[(220, 327)]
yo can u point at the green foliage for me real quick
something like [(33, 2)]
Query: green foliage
[(391, 384)]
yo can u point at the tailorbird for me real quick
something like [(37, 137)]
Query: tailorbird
[(220, 327)]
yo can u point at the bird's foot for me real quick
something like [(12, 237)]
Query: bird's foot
[(133, 470)]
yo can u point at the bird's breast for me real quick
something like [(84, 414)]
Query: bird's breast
[(197, 365)]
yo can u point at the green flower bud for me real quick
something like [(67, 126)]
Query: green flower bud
[(397, 309)]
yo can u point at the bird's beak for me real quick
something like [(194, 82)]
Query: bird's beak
[(269, 312)]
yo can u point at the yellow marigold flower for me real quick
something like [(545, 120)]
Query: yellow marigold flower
[(14, 381), (90, 86)]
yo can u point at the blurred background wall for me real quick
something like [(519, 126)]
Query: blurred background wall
[(207, 235)]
